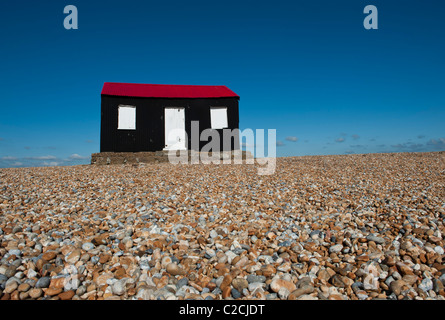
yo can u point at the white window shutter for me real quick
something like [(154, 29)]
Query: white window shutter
[(218, 117), (126, 118)]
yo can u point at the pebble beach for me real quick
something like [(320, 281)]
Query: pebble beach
[(340, 227)]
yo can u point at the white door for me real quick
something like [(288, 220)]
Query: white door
[(174, 129)]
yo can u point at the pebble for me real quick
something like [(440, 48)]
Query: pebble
[(236, 294), (52, 291), (174, 269), (307, 297), (240, 284), (24, 287), (255, 278), (43, 282), (396, 286), (278, 284), (303, 290), (118, 287), (15, 252), (426, 285), (330, 227), (49, 255), (11, 286), (376, 239), (35, 293), (67, 295), (74, 256), (182, 282), (335, 248), (256, 285), (87, 246)]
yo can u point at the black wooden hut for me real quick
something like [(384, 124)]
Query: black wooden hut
[(141, 117)]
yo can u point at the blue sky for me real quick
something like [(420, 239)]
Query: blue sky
[(308, 69)]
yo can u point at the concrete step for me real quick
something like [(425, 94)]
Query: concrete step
[(108, 158)]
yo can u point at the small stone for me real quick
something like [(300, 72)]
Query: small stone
[(74, 256), (165, 261), (91, 287), (307, 289), (305, 281), (144, 294), (236, 294), (15, 252), (23, 295), (49, 255), (256, 285), (396, 286), (403, 268), (210, 253), (104, 258), (240, 284), (17, 229), (57, 282), (389, 261), (437, 285), (268, 270), (336, 248), (119, 287), (52, 291), (370, 283), (362, 295), (128, 242), (426, 285), (337, 281), (213, 234), (43, 282), (336, 296), (227, 280), (98, 240), (174, 269), (378, 240), (410, 279), (24, 287), (67, 295), (81, 290), (120, 273), (254, 278), (277, 284), (87, 246), (307, 297), (323, 275), (241, 262), (182, 282), (35, 293), (85, 257), (102, 279), (10, 271), (11, 286), (226, 292), (32, 273), (283, 293)]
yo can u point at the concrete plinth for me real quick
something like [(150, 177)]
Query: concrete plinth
[(109, 158)]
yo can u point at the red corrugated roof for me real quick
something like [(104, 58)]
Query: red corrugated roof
[(166, 91)]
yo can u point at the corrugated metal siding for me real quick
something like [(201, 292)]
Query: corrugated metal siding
[(149, 133)]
